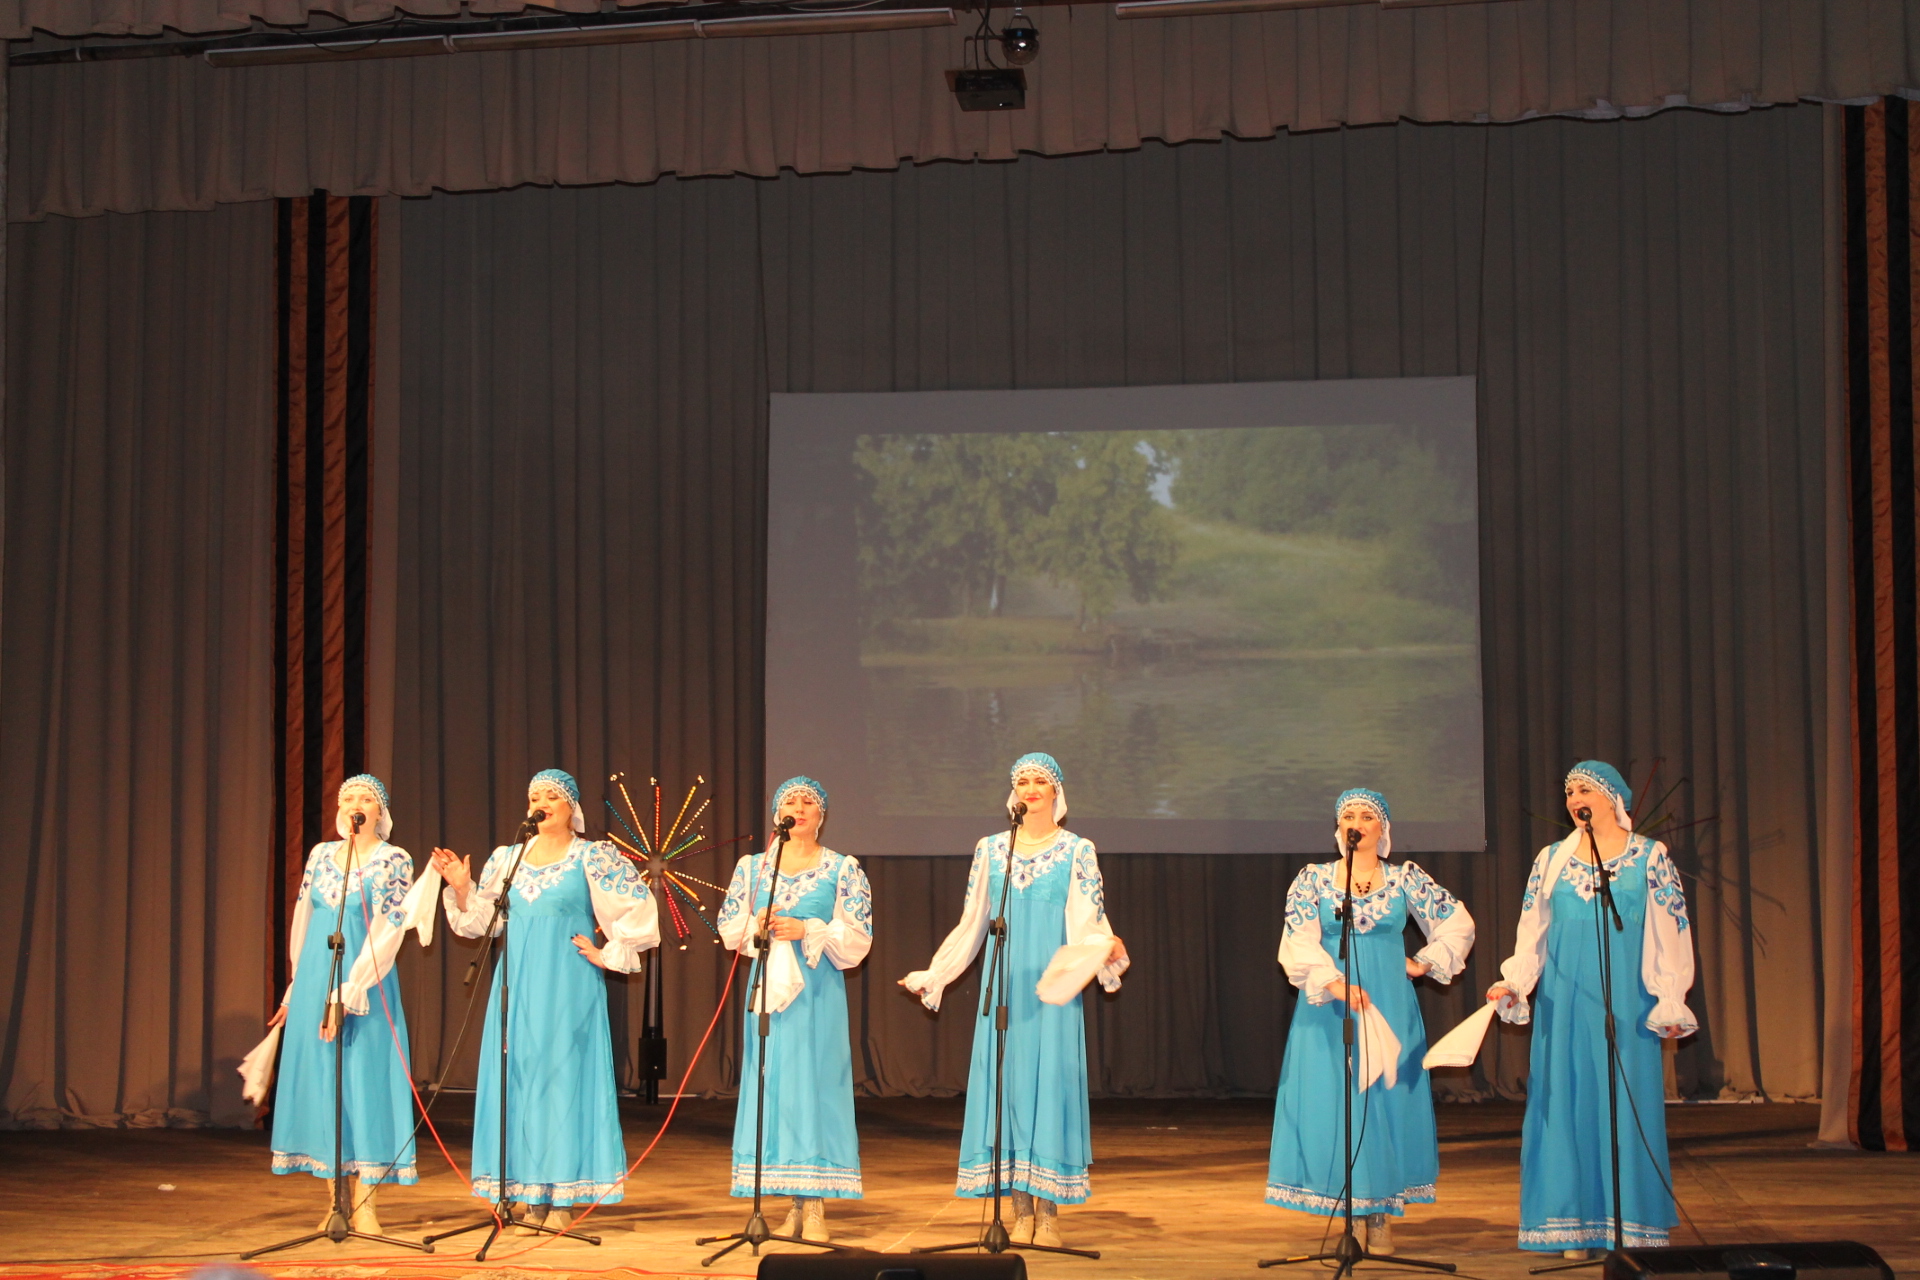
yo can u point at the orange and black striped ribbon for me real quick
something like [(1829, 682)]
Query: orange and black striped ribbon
[(1882, 175), (324, 275)]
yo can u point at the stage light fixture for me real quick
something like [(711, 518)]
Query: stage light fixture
[(1018, 39)]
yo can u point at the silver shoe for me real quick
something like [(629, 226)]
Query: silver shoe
[(1379, 1233), (813, 1222)]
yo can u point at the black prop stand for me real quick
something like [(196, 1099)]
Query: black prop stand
[(502, 1214), (994, 1237), (1603, 907), (1349, 1252), (756, 1232), (339, 1228)]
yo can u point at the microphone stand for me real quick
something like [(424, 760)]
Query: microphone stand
[(502, 1214), (1349, 1252), (1603, 907), (993, 1237), (756, 1232), (339, 1227)]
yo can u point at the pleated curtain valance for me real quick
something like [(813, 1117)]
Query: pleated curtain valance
[(175, 133)]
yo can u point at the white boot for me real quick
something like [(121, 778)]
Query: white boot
[(1046, 1223), (530, 1213), (327, 1218), (364, 1219), (1574, 1255), (1022, 1230), (813, 1220), (1379, 1233), (790, 1225)]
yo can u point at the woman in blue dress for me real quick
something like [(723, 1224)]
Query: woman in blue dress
[(1566, 1187), (377, 1100), (1396, 1155), (822, 908), (564, 1145), (1057, 899)]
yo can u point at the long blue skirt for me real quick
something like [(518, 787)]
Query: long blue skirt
[(377, 1118), (563, 1118), (812, 1146)]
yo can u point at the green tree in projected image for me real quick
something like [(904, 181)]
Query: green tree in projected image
[(1175, 611)]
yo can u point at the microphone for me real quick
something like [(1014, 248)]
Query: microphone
[(786, 823), (537, 817), (359, 821), (1583, 813), (1353, 839), (1017, 810)]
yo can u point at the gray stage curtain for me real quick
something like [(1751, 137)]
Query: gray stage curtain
[(584, 416), (174, 133), (134, 666)]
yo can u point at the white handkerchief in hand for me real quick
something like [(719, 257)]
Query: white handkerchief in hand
[(1460, 1046), (421, 907), (1071, 969), (1379, 1050), (785, 979), (256, 1069)]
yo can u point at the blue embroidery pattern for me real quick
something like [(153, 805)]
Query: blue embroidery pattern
[(1425, 898), (736, 901), (1585, 878), (531, 881), (1303, 900), (612, 873), (384, 868), (1663, 883), (1086, 876), (1532, 895), (856, 896), (1030, 868)]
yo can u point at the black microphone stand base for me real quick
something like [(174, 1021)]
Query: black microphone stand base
[(994, 1239), (757, 1233), (494, 1225), (338, 1231), (1350, 1253)]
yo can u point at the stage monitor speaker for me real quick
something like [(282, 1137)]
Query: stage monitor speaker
[(893, 1266), (1826, 1260)]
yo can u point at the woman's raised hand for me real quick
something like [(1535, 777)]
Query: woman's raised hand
[(454, 869), (787, 929), (279, 1017), (594, 955), (1418, 968), (1501, 991), (1117, 953)]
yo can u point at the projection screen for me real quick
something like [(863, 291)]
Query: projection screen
[(1216, 605)]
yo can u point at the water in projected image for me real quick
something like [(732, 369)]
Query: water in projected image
[(1201, 624)]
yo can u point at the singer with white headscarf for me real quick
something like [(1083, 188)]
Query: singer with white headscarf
[(563, 1119), (376, 1098), (1554, 980), (1396, 1149), (822, 910), (1057, 898)]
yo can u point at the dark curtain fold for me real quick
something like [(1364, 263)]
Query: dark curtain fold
[(324, 254), (584, 476), (1882, 185), (135, 681)]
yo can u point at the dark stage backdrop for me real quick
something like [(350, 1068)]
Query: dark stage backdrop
[(584, 383)]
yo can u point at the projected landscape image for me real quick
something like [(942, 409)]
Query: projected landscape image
[(1229, 623)]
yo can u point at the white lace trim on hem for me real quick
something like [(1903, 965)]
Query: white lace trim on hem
[(1024, 1175), (296, 1162), (1309, 1201), (487, 1187), (799, 1180), (1579, 1233)]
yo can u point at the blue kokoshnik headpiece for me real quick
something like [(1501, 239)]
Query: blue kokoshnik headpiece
[(1372, 800), (1602, 776), (800, 782), (382, 825), (561, 781), (1042, 763)]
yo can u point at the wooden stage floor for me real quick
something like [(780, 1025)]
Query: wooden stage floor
[(1177, 1194)]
